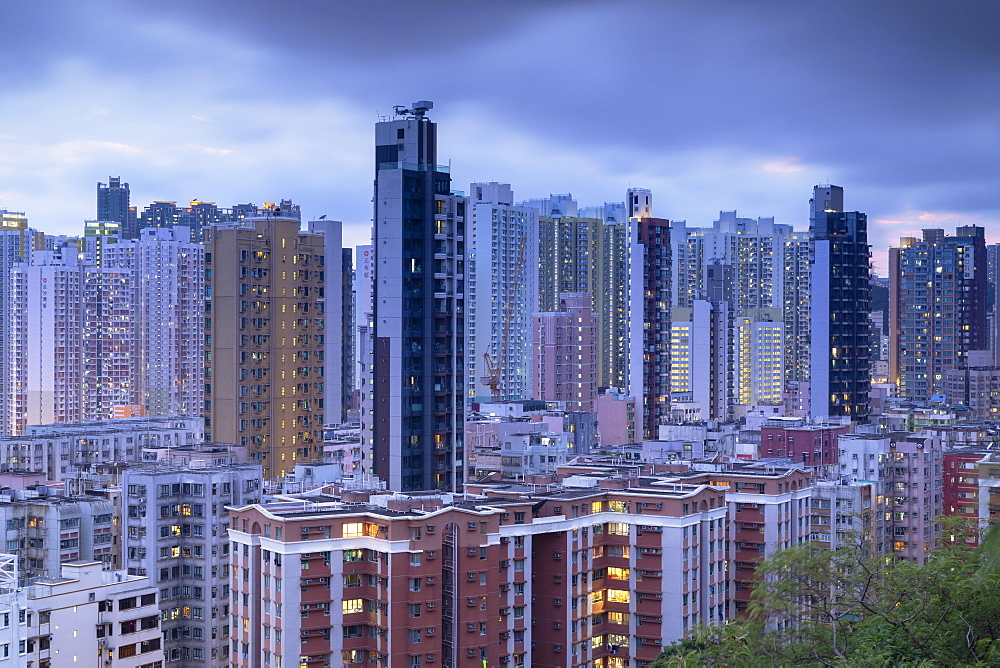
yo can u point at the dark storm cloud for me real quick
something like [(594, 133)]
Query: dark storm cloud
[(714, 105)]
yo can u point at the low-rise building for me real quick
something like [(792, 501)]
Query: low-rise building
[(60, 450)]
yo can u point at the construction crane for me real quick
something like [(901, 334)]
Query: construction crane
[(493, 365)]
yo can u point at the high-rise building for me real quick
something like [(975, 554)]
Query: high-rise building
[(93, 340), (649, 322), (264, 346), (769, 268), (167, 272), (937, 308), (840, 374), (700, 358), (502, 292), (338, 339), (588, 250), (758, 357), (17, 241), (46, 339), (565, 353), (418, 366), (113, 205)]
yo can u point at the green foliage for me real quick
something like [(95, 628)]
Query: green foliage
[(850, 608)]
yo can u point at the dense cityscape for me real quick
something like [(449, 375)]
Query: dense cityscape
[(525, 433)]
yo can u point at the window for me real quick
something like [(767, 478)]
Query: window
[(618, 596), (353, 605), (617, 529), (414, 635)]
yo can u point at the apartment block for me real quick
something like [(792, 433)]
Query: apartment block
[(649, 326), (768, 509), (616, 418), (502, 267), (563, 578), (418, 361), (845, 513), (937, 307), (840, 300), (45, 531), (175, 532), (908, 469), (264, 340), (960, 486), (813, 443), (61, 450), (167, 276), (17, 243), (86, 616), (564, 358), (758, 358), (975, 387), (46, 339)]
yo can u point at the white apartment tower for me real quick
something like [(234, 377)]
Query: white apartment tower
[(88, 341), (168, 275), (502, 292), (46, 326), (17, 241)]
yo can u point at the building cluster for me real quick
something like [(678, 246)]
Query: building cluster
[(504, 433)]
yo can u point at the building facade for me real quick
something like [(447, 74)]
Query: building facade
[(264, 340), (937, 308), (175, 533), (502, 295), (564, 357), (840, 368), (418, 361)]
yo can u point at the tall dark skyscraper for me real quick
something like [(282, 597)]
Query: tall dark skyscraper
[(653, 243), (419, 309), (113, 204), (937, 307), (840, 368)]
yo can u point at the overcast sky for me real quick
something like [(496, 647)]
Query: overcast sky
[(712, 105)]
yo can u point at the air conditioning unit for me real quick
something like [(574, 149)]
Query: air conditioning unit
[(430, 528), (471, 651), (471, 577), (505, 563), (431, 605), (505, 587), (431, 580), (557, 555), (431, 631), (557, 625), (557, 648), (471, 603), (505, 634), (473, 551), (471, 627), (431, 554), (472, 526)]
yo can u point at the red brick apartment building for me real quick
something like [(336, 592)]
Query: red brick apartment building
[(600, 575)]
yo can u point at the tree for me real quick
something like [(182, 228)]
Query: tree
[(851, 607)]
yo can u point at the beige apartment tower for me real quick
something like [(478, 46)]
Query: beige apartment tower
[(264, 336)]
